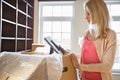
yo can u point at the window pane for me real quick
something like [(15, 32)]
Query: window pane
[(57, 37), (47, 11), (66, 26), (57, 11), (117, 57), (118, 39), (116, 66), (47, 26), (115, 10), (115, 26), (67, 11), (46, 34), (57, 26), (66, 37), (66, 40)]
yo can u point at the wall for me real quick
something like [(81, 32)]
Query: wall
[(36, 20), (80, 25)]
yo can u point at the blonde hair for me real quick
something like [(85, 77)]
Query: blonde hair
[(99, 11)]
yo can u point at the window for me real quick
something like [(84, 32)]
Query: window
[(56, 20), (114, 9)]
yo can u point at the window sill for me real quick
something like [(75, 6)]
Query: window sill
[(116, 73)]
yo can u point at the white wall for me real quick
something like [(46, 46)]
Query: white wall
[(36, 20), (80, 25)]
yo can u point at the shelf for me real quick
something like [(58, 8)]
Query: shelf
[(21, 38), (11, 15), (16, 25), (8, 21), (28, 38), (8, 38), (22, 25), (8, 30), (7, 45), (22, 12)]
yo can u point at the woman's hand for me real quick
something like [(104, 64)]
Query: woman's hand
[(75, 61)]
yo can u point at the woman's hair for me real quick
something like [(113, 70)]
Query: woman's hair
[(100, 14)]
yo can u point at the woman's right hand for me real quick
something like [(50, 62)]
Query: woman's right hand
[(63, 50)]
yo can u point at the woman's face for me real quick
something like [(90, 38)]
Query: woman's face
[(88, 16)]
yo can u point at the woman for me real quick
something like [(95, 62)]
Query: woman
[(99, 45)]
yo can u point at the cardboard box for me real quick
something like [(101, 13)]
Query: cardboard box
[(69, 71)]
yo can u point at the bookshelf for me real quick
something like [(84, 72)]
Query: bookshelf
[(16, 21)]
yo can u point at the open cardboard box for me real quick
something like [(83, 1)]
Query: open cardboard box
[(69, 71)]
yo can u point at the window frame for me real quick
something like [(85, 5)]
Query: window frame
[(42, 18)]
